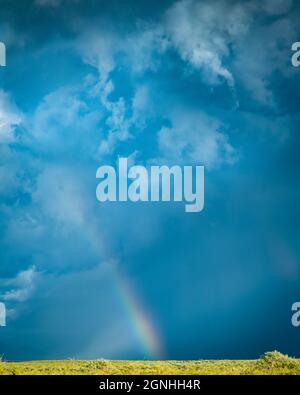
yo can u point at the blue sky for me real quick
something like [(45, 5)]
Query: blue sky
[(172, 82)]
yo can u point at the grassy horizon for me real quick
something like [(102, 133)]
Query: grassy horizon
[(271, 363)]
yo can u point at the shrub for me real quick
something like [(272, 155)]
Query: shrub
[(276, 359), (98, 364)]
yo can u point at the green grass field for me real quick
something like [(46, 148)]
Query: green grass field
[(269, 363)]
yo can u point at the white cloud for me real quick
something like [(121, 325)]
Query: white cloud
[(8, 170), (218, 40), (142, 46), (98, 49), (222, 40), (61, 108), (142, 106), (118, 125), (125, 116), (64, 122), (191, 30), (21, 287), (202, 33), (10, 117), (60, 196), (195, 138), (266, 51), (66, 201)]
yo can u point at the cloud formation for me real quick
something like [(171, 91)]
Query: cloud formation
[(21, 287), (10, 118), (195, 138), (193, 82)]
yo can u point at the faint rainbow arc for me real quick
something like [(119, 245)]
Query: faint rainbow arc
[(142, 323)]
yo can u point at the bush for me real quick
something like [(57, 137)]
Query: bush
[(276, 359), (98, 364)]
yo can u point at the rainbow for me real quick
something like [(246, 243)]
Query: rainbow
[(141, 321)]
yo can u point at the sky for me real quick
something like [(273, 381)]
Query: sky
[(182, 82)]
